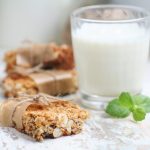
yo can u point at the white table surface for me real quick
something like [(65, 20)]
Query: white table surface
[(100, 133)]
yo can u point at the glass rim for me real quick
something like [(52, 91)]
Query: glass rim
[(136, 8)]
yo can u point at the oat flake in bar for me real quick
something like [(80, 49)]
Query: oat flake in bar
[(42, 116)]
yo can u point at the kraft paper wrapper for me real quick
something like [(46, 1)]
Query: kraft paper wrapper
[(12, 110), (47, 56), (35, 54), (55, 82)]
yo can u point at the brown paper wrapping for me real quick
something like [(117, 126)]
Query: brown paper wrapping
[(55, 82), (46, 55), (35, 54), (12, 110)]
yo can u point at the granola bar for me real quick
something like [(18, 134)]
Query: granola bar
[(42, 116), (54, 82), (44, 55)]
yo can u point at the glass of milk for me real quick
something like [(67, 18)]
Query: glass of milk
[(111, 47)]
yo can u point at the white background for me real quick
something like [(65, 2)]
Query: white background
[(42, 20), (141, 3)]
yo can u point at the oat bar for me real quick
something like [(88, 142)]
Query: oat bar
[(42, 116), (55, 82), (44, 55)]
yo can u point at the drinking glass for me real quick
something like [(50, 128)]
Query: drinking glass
[(111, 47)]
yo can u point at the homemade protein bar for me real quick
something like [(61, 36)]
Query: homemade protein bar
[(42, 116), (43, 55), (54, 82)]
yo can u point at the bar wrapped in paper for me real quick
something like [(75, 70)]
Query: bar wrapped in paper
[(42, 116), (43, 55), (54, 82)]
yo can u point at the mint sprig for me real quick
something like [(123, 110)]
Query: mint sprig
[(117, 110), (143, 102), (125, 100), (139, 114), (121, 107)]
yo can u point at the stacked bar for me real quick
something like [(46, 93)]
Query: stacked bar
[(46, 68), (42, 116)]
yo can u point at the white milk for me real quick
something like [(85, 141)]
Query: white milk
[(110, 58)]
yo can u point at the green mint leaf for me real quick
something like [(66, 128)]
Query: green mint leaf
[(115, 109), (139, 114), (126, 100), (142, 102), (121, 107)]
